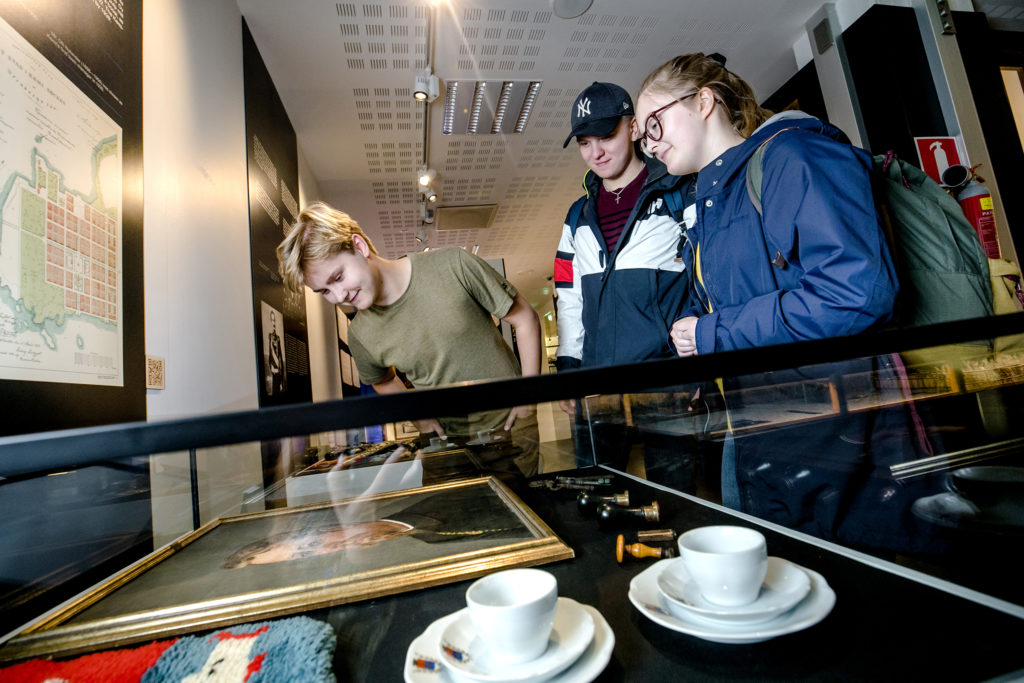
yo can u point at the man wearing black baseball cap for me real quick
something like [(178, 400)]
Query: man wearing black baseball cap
[(598, 110), (619, 272)]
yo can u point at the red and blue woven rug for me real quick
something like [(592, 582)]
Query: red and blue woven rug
[(294, 649)]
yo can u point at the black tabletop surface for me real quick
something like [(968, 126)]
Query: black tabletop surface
[(883, 626)]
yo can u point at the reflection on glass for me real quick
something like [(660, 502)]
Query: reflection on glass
[(920, 463)]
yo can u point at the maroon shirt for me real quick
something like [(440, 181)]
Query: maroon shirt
[(614, 208)]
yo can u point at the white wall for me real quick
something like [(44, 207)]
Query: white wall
[(321, 319), (198, 279), (197, 267)]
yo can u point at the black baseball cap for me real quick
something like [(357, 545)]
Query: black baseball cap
[(597, 110)]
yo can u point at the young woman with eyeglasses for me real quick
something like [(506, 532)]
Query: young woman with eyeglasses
[(812, 263), (817, 265)]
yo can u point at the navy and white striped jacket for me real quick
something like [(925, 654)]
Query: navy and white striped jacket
[(618, 307)]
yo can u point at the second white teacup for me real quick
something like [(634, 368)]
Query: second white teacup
[(728, 563), (513, 612)]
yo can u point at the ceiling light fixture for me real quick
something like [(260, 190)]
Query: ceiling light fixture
[(478, 102), (426, 214), (499, 111), (425, 176), (426, 90), (568, 9), (426, 87), (451, 91), (488, 106), (524, 113)]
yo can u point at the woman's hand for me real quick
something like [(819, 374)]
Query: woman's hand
[(683, 336)]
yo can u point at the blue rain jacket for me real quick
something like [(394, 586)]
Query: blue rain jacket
[(819, 268)]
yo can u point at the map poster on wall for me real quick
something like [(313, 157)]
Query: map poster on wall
[(282, 340), (71, 332)]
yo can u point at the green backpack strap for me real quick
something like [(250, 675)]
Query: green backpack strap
[(755, 175), (755, 171)]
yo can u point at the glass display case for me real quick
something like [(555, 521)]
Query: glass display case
[(862, 456)]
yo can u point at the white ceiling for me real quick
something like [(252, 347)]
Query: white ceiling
[(345, 72)]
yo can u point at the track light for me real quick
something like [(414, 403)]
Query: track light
[(426, 215), (426, 88), (425, 176), (430, 195)]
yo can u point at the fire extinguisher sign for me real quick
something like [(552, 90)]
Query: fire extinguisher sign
[(938, 154)]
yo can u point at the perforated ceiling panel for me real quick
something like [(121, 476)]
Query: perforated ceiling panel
[(345, 71)]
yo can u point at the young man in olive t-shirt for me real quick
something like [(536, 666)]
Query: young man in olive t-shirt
[(426, 314)]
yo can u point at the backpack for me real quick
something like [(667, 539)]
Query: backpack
[(942, 268)]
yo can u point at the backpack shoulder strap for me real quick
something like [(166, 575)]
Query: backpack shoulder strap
[(674, 201), (755, 171), (574, 214)]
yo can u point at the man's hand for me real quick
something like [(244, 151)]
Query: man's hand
[(568, 406), (684, 336), (429, 425), (518, 412)]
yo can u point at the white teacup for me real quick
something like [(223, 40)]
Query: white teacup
[(728, 563), (512, 612)]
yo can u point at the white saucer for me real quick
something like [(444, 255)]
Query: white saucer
[(785, 584), (645, 596), (463, 651), (422, 665)]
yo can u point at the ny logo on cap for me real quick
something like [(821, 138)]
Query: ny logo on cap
[(583, 108)]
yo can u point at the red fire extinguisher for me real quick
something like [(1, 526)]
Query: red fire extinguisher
[(976, 203)]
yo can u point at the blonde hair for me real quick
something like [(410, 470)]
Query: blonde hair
[(320, 233), (687, 72)]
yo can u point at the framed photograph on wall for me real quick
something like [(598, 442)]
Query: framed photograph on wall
[(267, 564)]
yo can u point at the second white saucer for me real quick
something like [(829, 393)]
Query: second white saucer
[(785, 584), (466, 654), (645, 596)]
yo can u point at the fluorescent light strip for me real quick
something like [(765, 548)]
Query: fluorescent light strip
[(524, 114), (499, 112), (478, 103), (448, 119)]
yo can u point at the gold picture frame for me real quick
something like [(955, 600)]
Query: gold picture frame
[(267, 564)]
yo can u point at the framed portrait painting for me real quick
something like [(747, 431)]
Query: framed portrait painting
[(266, 564)]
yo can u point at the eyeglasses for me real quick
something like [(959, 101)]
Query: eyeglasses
[(653, 129)]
